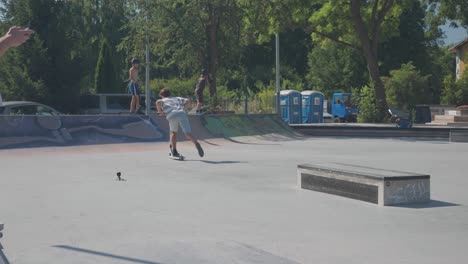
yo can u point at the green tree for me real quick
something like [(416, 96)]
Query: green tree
[(360, 25), (455, 92), (113, 18), (106, 79), (334, 68), (56, 58), (452, 9), (463, 88), (406, 88), (357, 24), (264, 18), (257, 63), (418, 43), (441, 64), (368, 106), (409, 44), (64, 51), (95, 21), (15, 82), (450, 94), (186, 36)]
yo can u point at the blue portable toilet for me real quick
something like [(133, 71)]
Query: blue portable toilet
[(291, 106), (312, 107)]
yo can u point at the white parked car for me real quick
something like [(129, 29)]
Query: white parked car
[(110, 104), (26, 108)]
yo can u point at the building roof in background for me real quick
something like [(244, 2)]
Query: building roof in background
[(459, 44)]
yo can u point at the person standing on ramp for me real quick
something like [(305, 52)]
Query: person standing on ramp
[(134, 86), (203, 81), (174, 110)]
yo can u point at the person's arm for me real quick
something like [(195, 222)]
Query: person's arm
[(159, 108), (13, 38), (187, 104)]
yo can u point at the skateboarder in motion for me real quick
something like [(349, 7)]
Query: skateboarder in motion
[(174, 110)]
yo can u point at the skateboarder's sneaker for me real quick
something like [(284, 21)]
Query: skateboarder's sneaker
[(176, 156), (200, 150), (174, 153)]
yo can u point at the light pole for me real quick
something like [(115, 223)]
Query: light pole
[(278, 81), (147, 59)]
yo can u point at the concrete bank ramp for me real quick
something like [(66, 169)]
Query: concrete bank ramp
[(264, 127), (49, 131)]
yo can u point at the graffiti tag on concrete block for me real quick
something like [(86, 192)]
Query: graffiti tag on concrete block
[(411, 192)]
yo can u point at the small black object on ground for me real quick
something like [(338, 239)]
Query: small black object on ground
[(119, 177)]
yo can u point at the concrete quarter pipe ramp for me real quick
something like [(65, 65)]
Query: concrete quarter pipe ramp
[(46, 131)]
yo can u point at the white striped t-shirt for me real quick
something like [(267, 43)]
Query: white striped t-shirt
[(173, 105)]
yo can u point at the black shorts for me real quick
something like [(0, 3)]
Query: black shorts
[(199, 94)]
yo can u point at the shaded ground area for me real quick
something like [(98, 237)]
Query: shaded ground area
[(239, 204)]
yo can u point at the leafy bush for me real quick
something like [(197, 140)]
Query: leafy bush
[(183, 88), (264, 100), (455, 92), (334, 68), (16, 84), (368, 112), (406, 87)]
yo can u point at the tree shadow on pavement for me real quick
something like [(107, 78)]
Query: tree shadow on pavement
[(106, 255)]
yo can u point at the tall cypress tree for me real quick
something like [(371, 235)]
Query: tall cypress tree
[(106, 77)]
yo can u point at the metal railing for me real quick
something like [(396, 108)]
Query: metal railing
[(120, 104)]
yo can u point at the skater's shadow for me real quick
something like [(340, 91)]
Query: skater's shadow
[(219, 162), (250, 143), (209, 143), (238, 142)]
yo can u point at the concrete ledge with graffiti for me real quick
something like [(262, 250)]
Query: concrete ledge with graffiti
[(45, 131), (383, 187)]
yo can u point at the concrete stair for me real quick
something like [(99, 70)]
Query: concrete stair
[(452, 118), (463, 112)]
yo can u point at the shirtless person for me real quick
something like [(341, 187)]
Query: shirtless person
[(134, 86)]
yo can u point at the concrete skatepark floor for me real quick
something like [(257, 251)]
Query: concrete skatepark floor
[(239, 204)]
